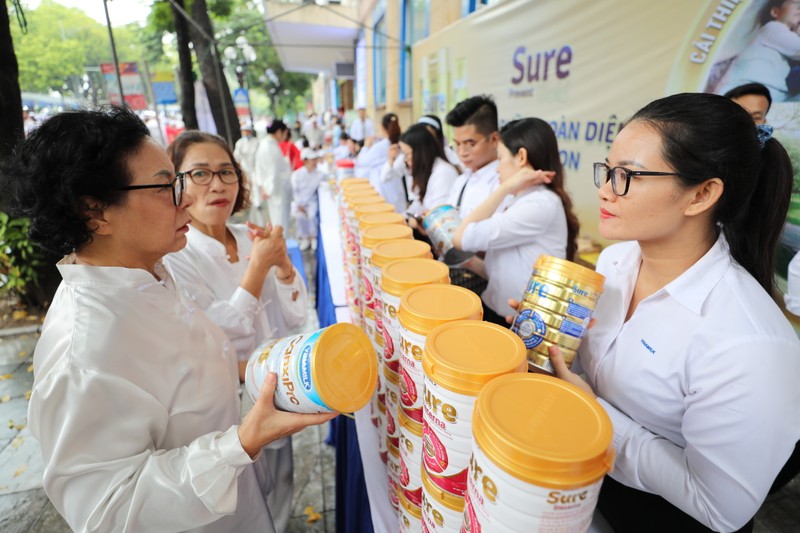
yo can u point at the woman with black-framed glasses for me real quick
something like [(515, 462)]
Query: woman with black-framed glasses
[(690, 355), (135, 393), (241, 276)]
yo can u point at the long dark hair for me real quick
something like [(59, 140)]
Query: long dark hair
[(425, 149), (705, 136), (539, 140), (177, 152), (391, 124)]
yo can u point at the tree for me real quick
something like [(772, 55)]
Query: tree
[(11, 128), (185, 71)]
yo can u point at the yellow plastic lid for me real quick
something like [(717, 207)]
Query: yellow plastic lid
[(441, 496), (570, 270), (464, 355), (423, 308), (372, 198), (344, 369), (403, 274), (409, 507), (387, 232), (361, 190), (346, 183), (387, 251), (379, 219), (367, 209), (543, 430), (405, 421)]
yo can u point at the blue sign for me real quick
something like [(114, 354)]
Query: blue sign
[(164, 92)]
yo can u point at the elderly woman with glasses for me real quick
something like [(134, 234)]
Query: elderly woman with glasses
[(240, 275), (135, 394), (690, 355)]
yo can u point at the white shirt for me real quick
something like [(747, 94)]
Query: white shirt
[(477, 187), (524, 227), (792, 296), (272, 171), (361, 129), (135, 404), (700, 384), (304, 186), (764, 60), (203, 272), (389, 184), (440, 185), (245, 154)]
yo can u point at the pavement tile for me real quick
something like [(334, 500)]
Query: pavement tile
[(19, 511), (21, 466)]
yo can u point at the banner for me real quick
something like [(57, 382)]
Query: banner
[(586, 67), (241, 102), (132, 86), (163, 84)]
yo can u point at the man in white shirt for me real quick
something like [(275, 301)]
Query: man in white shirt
[(362, 127), (476, 137)]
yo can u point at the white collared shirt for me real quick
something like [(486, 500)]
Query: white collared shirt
[(205, 275), (135, 405), (361, 129), (524, 227), (477, 187), (700, 384), (440, 184), (304, 186)]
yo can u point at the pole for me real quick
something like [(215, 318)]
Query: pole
[(152, 95), (114, 53)]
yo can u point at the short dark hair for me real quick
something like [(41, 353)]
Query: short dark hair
[(276, 126), (480, 111), (177, 152), (750, 88), (71, 157)]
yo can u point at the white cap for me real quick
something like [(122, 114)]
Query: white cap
[(308, 153)]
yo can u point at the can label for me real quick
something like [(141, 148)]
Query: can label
[(411, 465), (412, 381), (292, 359), (391, 331), (437, 517), (500, 502)]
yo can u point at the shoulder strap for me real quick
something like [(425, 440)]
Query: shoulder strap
[(461, 194)]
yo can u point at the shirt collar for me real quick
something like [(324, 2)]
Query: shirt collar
[(692, 288), (111, 276), (205, 243), (485, 172)]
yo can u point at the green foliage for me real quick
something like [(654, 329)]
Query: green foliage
[(20, 259)]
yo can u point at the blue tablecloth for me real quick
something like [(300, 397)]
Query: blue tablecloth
[(352, 502)]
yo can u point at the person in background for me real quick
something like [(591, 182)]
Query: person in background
[(375, 154), (290, 151), (754, 98), (245, 150), (336, 131), (434, 125), (344, 149), (766, 57), (432, 176), (362, 127), (305, 182), (135, 396), (528, 215), (271, 184), (701, 429), (241, 276)]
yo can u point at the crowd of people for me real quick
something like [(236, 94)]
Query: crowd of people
[(136, 400)]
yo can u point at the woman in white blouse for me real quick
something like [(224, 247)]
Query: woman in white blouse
[(528, 215), (690, 355), (432, 176), (135, 393), (241, 276), (376, 159)]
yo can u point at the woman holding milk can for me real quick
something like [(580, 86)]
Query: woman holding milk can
[(690, 356), (528, 215)]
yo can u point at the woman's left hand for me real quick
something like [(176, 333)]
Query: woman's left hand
[(527, 177), (560, 366)]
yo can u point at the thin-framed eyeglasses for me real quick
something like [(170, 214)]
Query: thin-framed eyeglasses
[(204, 176), (469, 145), (620, 177), (177, 185)]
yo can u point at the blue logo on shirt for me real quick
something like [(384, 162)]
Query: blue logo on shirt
[(649, 348)]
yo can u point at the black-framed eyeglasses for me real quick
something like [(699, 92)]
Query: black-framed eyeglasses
[(620, 177), (177, 185), (204, 176)]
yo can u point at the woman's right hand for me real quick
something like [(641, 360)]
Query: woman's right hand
[(269, 247), (394, 151), (264, 423)]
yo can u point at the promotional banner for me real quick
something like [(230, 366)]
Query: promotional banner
[(586, 67), (163, 83), (132, 86)]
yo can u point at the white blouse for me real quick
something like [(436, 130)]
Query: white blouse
[(700, 384), (203, 272), (477, 187), (524, 227), (135, 405), (440, 184)]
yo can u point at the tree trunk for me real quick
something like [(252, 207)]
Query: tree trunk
[(11, 128), (219, 95), (185, 72)]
